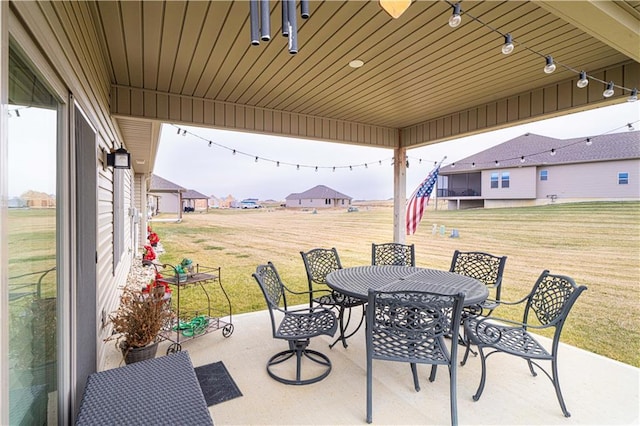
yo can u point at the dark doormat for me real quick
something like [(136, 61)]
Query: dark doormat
[(216, 383)]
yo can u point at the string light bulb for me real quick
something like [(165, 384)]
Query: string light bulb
[(522, 160), (210, 143), (507, 47), (497, 163), (589, 142), (550, 66), (256, 159), (608, 92), (473, 165), (453, 165), (553, 151), (455, 18), (234, 152), (630, 126), (583, 81), (179, 130), (632, 97), (277, 164)]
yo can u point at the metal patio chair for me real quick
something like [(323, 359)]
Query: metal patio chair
[(486, 268), (393, 254), (411, 327), (545, 307), (318, 263), (296, 326)]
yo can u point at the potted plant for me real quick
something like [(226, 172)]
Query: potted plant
[(137, 323)]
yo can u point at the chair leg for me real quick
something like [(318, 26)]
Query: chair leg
[(414, 371), (369, 389), (483, 375), (453, 376), (434, 370), (556, 384)]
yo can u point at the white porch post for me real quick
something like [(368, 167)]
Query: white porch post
[(399, 194)]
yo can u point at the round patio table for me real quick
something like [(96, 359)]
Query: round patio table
[(357, 281)]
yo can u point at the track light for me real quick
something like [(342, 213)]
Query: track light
[(455, 18), (608, 92), (550, 66), (507, 47), (632, 97), (583, 81)]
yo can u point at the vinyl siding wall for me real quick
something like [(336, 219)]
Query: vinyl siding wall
[(590, 181), (64, 32)]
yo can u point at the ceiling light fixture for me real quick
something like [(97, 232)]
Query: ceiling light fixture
[(507, 47), (356, 63), (608, 92), (550, 66), (455, 18), (583, 81)]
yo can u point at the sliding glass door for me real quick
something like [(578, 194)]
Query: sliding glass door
[(33, 234)]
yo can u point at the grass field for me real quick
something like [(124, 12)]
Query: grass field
[(597, 244)]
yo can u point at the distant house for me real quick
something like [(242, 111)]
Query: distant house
[(194, 201), (320, 196), (533, 169), (165, 196)]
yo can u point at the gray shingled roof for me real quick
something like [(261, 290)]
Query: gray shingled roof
[(318, 192), (537, 151), (159, 184), (191, 194)]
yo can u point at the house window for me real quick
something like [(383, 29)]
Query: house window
[(327, 201), (300, 201), (544, 174), (494, 180), (505, 179), (623, 178)]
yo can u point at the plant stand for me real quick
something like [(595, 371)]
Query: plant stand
[(192, 323)]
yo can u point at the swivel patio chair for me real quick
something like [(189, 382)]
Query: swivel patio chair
[(410, 326), (296, 326), (393, 254), (545, 307), (318, 263), (486, 268)]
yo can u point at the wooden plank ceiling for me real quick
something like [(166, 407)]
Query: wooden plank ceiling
[(416, 68)]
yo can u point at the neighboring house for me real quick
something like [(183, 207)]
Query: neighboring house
[(193, 200), (320, 196), (165, 196), (533, 169)]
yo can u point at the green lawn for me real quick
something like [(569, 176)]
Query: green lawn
[(597, 244)]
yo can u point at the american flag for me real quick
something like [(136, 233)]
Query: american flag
[(420, 199)]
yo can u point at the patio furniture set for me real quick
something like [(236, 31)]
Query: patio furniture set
[(410, 313)]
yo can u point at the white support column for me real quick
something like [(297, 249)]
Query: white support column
[(399, 194)]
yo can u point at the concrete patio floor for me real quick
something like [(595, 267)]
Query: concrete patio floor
[(597, 390)]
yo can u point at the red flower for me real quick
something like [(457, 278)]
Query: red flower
[(149, 254), (153, 238)]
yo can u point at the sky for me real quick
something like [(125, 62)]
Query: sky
[(190, 162)]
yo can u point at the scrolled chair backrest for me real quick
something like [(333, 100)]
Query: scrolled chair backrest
[(269, 280), (484, 267), (551, 299), (319, 262), (393, 254), (405, 325)]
